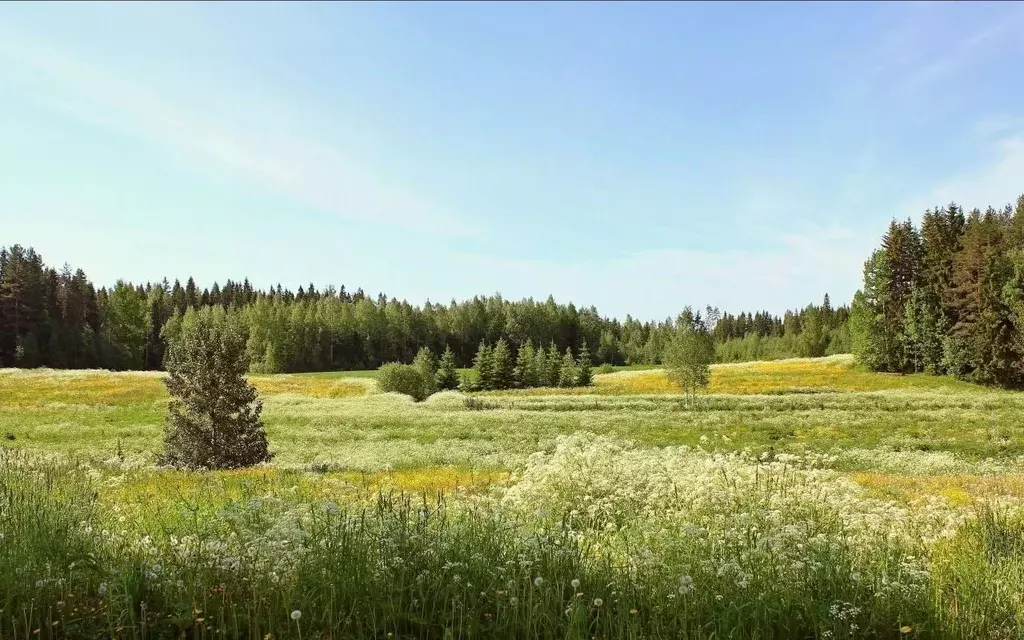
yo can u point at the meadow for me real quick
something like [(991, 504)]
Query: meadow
[(797, 498)]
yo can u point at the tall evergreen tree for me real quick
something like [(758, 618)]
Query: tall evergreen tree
[(567, 374), (214, 412), (447, 373), (584, 367), (483, 364), (502, 364)]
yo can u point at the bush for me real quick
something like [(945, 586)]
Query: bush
[(214, 413), (606, 368), (405, 379)]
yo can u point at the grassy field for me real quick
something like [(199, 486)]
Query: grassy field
[(798, 498)]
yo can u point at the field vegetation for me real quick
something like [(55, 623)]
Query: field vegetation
[(799, 498)]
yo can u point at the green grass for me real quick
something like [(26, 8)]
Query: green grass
[(900, 510), (341, 423)]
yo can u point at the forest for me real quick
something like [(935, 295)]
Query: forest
[(946, 297), (60, 319)]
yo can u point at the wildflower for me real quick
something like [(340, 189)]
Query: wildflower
[(296, 614), (575, 583), (538, 581), (685, 585), (102, 589), (513, 601), (906, 629), (633, 612), (598, 602), (39, 584)]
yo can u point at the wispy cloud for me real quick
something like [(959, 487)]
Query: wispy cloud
[(310, 172), (998, 182), (791, 271)]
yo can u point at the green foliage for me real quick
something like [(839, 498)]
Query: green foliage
[(689, 356), (213, 417), (404, 378), (526, 374), (483, 367), (584, 367), (553, 368), (447, 373), (426, 363), (502, 366), (126, 326), (942, 300), (567, 374)]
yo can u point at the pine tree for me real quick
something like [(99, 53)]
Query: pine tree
[(483, 364), (502, 364), (214, 412), (584, 367), (567, 374), (447, 373)]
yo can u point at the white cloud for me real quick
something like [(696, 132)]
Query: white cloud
[(308, 171), (999, 182), (792, 271)]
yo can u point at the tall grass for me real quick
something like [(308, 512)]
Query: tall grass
[(590, 539)]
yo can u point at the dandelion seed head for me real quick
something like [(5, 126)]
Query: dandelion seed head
[(296, 614), (575, 583), (598, 602), (538, 581)]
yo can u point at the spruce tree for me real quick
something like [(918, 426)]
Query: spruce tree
[(447, 373), (540, 367), (567, 374), (214, 413), (525, 373), (501, 361), (554, 365), (483, 364), (584, 367)]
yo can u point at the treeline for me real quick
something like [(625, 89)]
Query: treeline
[(947, 297), (814, 331), (60, 319)]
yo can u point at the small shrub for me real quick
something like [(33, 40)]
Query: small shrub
[(405, 379), (606, 368)]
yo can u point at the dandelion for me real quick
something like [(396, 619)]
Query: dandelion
[(575, 583), (538, 581), (296, 615), (102, 590), (39, 584), (513, 601), (598, 602), (633, 612)]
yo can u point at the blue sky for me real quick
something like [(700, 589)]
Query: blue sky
[(637, 157)]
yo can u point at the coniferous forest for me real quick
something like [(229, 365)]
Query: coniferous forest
[(60, 319), (946, 297)]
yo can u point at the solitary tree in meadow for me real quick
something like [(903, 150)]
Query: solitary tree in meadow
[(214, 412), (689, 354)]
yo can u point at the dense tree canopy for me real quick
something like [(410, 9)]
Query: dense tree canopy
[(59, 319), (945, 298)]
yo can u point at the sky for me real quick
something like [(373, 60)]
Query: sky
[(635, 157)]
